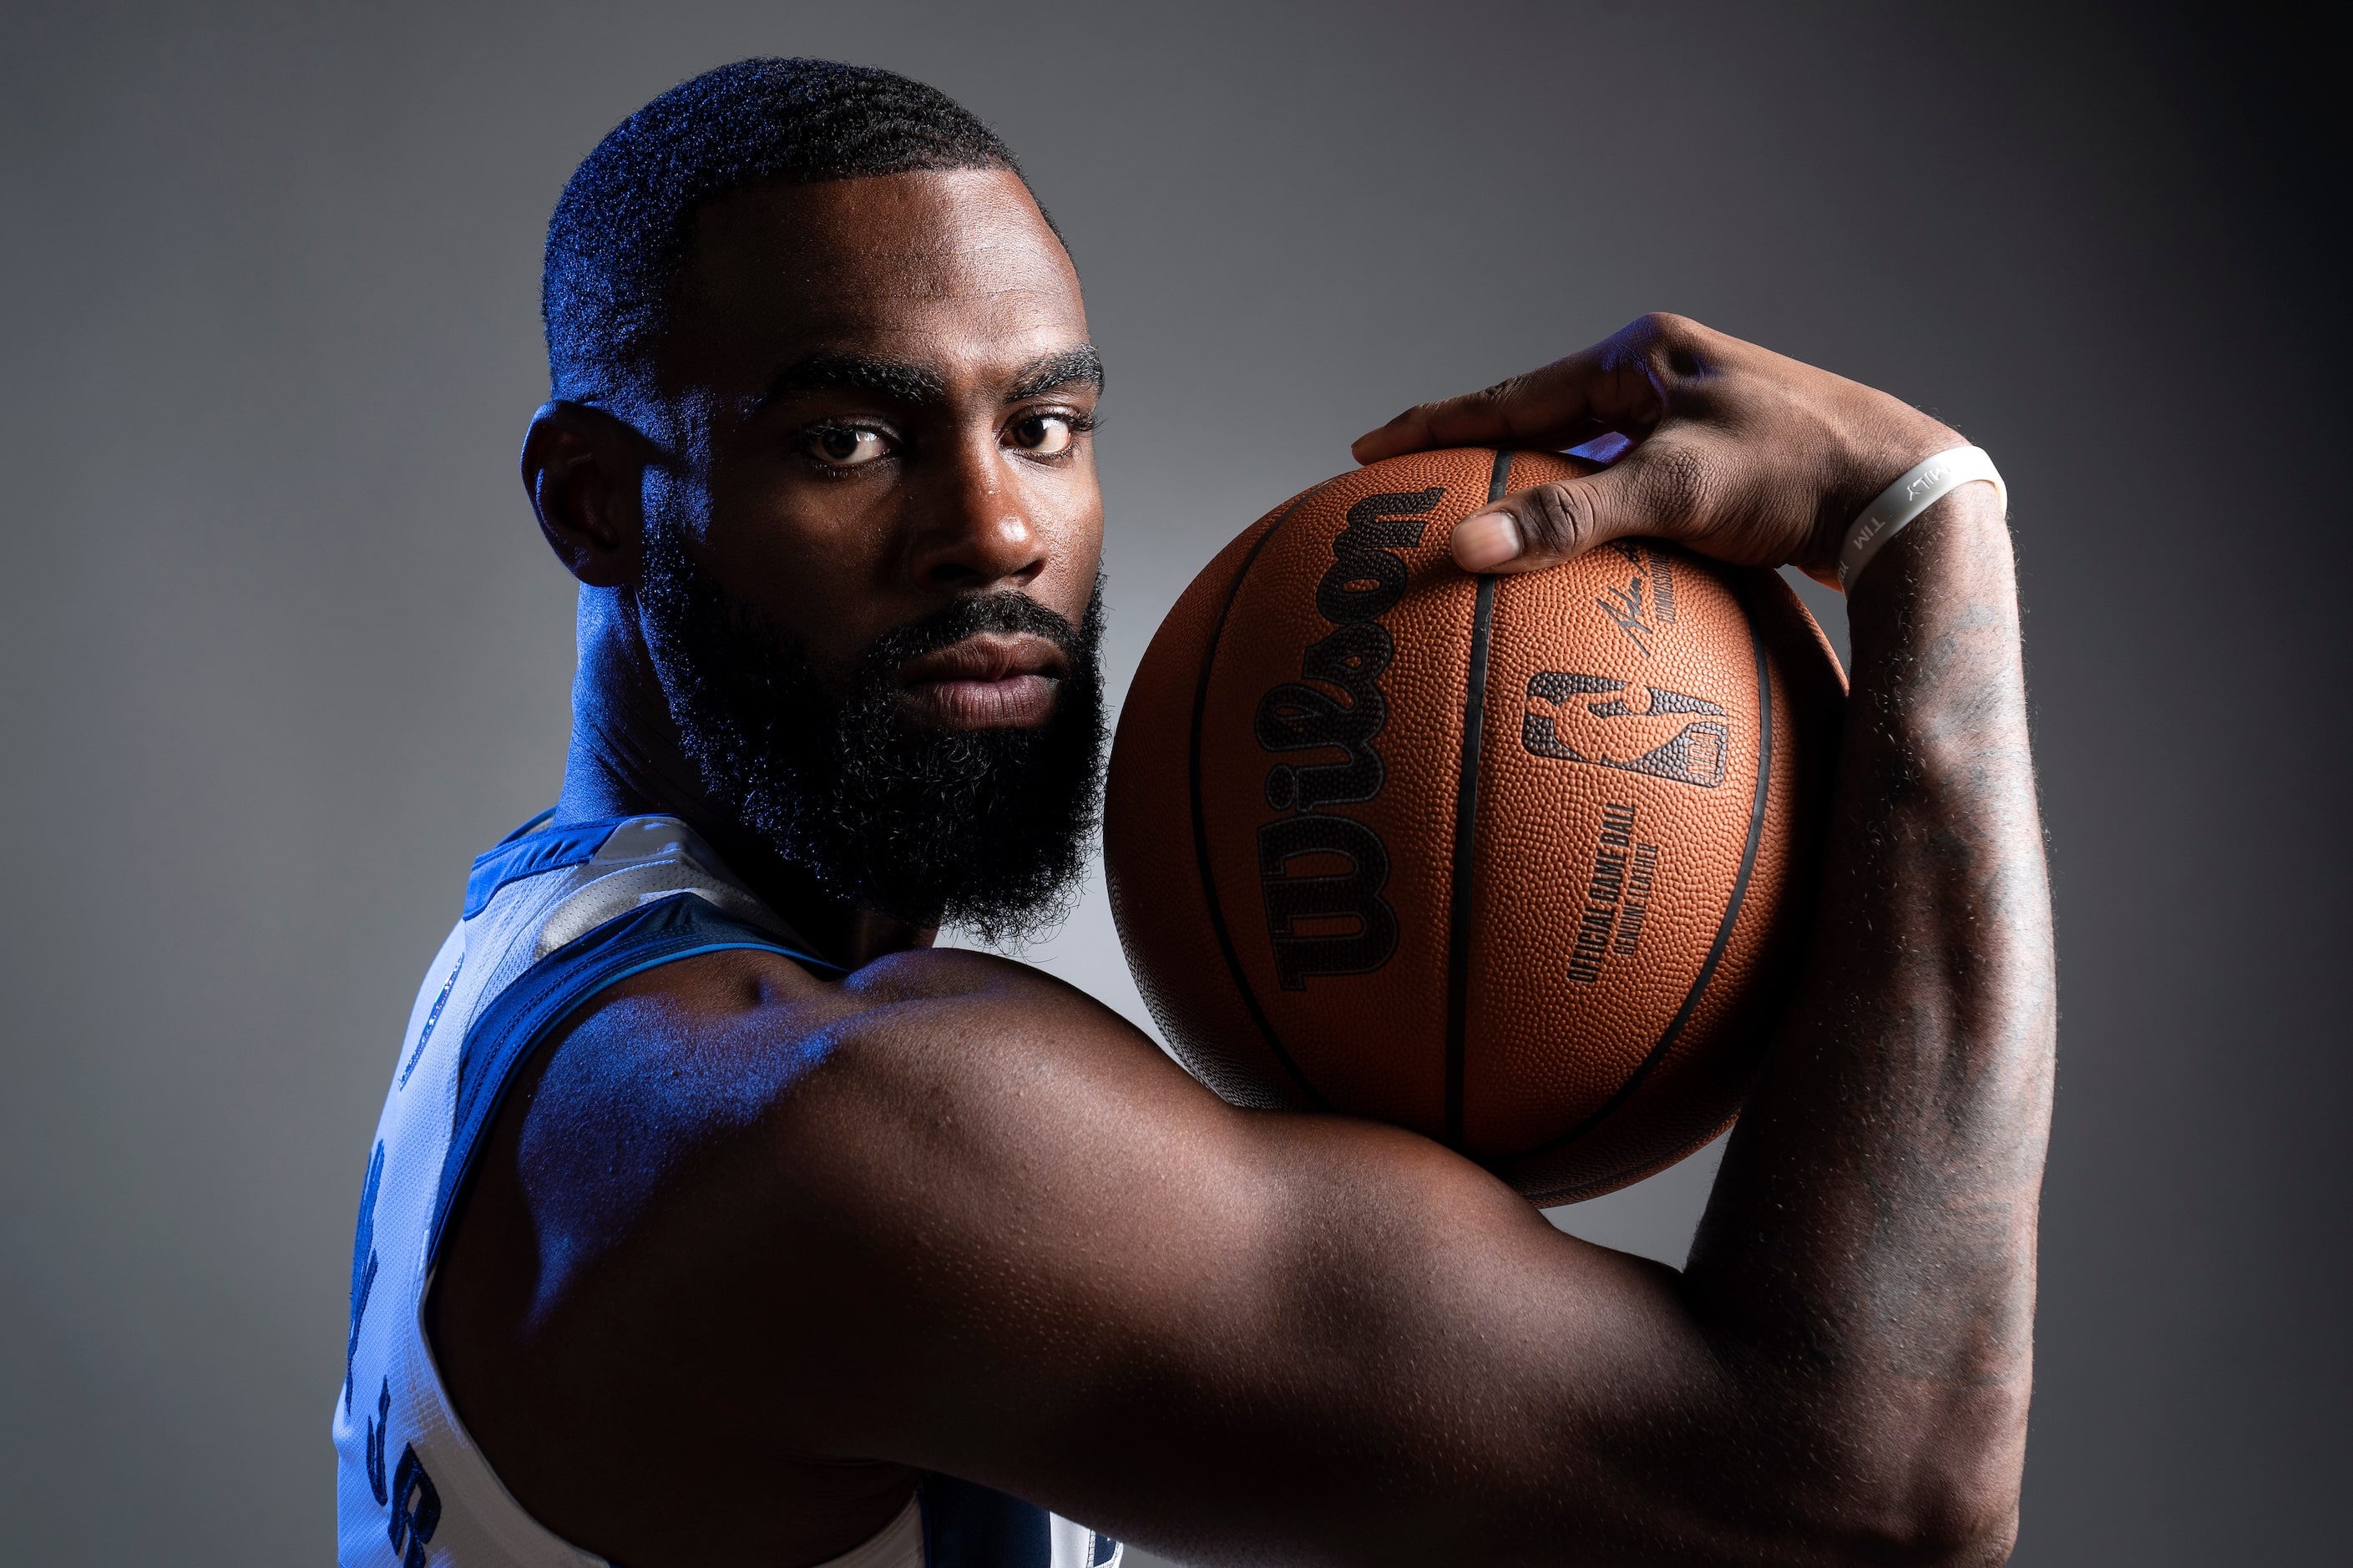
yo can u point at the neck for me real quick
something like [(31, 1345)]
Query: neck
[(626, 760)]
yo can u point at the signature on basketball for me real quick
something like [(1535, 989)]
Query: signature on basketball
[(1641, 622)]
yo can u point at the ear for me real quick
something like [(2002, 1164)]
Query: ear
[(584, 469)]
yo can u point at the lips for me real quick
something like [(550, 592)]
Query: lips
[(992, 681)]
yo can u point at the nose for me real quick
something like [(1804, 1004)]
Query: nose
[(976, 533)]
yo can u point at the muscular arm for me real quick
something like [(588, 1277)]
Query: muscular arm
[(953, 1216), (1866, 1262)]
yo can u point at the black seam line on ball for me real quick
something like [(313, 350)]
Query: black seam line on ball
[(1731, 910), (1466, 829), (1200, 819)]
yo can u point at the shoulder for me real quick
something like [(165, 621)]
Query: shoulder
[(730, 1092), (725, 1036)]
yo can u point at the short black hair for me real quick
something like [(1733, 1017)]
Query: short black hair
[(619, 236)]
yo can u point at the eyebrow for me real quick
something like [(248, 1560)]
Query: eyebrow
[(857, 373), (905, 383), (1081, 366)]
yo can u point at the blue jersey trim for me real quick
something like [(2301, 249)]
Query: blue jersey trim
[(967, 1525), (507, 1031), (527, 826), (528, 854)]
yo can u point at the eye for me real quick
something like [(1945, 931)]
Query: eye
[(847, 445), (1044, 435)]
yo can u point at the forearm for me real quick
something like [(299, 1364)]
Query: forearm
[(1865, 1270)]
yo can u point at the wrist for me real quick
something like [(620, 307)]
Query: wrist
[(1913, 491), (1867, 455), (1885, 447), (1963, 535)]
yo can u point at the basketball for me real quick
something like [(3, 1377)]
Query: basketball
[(1519, 862)]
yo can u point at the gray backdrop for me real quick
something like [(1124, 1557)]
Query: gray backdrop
[(283, 649)]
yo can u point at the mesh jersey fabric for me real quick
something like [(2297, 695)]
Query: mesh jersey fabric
[(552, 916)]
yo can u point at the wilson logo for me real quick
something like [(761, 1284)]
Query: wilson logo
[(1322, 873)]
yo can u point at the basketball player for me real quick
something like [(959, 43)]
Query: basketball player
[(715, 1218)]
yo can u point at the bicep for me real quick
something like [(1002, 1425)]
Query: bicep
[(1044, 1259)]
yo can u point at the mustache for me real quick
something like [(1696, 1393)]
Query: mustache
[(1007, 612)]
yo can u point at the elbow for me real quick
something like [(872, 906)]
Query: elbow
[(1959, 1533), (1939, 1494), (1939, 1518)]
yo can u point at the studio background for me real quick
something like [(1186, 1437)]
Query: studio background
[(283, 649)]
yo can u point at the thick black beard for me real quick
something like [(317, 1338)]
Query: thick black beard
[(985, 829)]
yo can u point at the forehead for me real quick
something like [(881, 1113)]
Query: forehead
[(953, 269)]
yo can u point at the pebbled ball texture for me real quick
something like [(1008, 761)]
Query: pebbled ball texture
[(1521, 863)]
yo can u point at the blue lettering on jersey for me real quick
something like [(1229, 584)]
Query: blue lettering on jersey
[(415, 1509), (377, 1431), (1104, 1549), (363, 1267)]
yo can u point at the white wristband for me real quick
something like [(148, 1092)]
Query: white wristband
[(1907, 498)]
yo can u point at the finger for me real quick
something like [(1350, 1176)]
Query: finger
[(1662, 489), (1547, 408), (1504, 415), (1616, 385)]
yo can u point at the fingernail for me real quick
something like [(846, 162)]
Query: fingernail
[(1487, 541)]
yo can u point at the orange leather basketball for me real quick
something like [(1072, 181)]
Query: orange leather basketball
[(1518, 862)]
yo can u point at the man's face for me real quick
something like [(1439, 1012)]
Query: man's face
[(890, 378), (873, 549)]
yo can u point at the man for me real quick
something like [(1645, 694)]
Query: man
[(715, 1218)]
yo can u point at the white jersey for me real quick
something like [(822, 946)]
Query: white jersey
[(552, 917)]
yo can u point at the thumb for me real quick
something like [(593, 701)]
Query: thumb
[(1655, 489)]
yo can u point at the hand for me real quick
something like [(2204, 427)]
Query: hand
[(1738, 453)]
